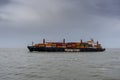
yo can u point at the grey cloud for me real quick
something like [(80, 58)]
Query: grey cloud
[(4, 2), (72, 19), (103, 7), (2, 13)]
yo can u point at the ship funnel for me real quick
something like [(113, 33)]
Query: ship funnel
[(43, 41), (63, 40), (81, 41), (97, 42)]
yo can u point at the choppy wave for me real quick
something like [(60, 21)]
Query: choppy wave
[(20, 64)]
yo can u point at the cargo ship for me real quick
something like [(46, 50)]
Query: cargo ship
[(88, 46)]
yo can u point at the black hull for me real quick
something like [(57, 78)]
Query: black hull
[(52, 49)]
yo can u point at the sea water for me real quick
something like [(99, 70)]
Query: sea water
[(20, 64)]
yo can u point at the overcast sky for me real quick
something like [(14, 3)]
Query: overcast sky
[(24, 21)]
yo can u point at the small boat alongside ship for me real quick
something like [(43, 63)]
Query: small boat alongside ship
[(89, 46)]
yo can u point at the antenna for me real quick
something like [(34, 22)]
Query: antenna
[(32, 43)]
